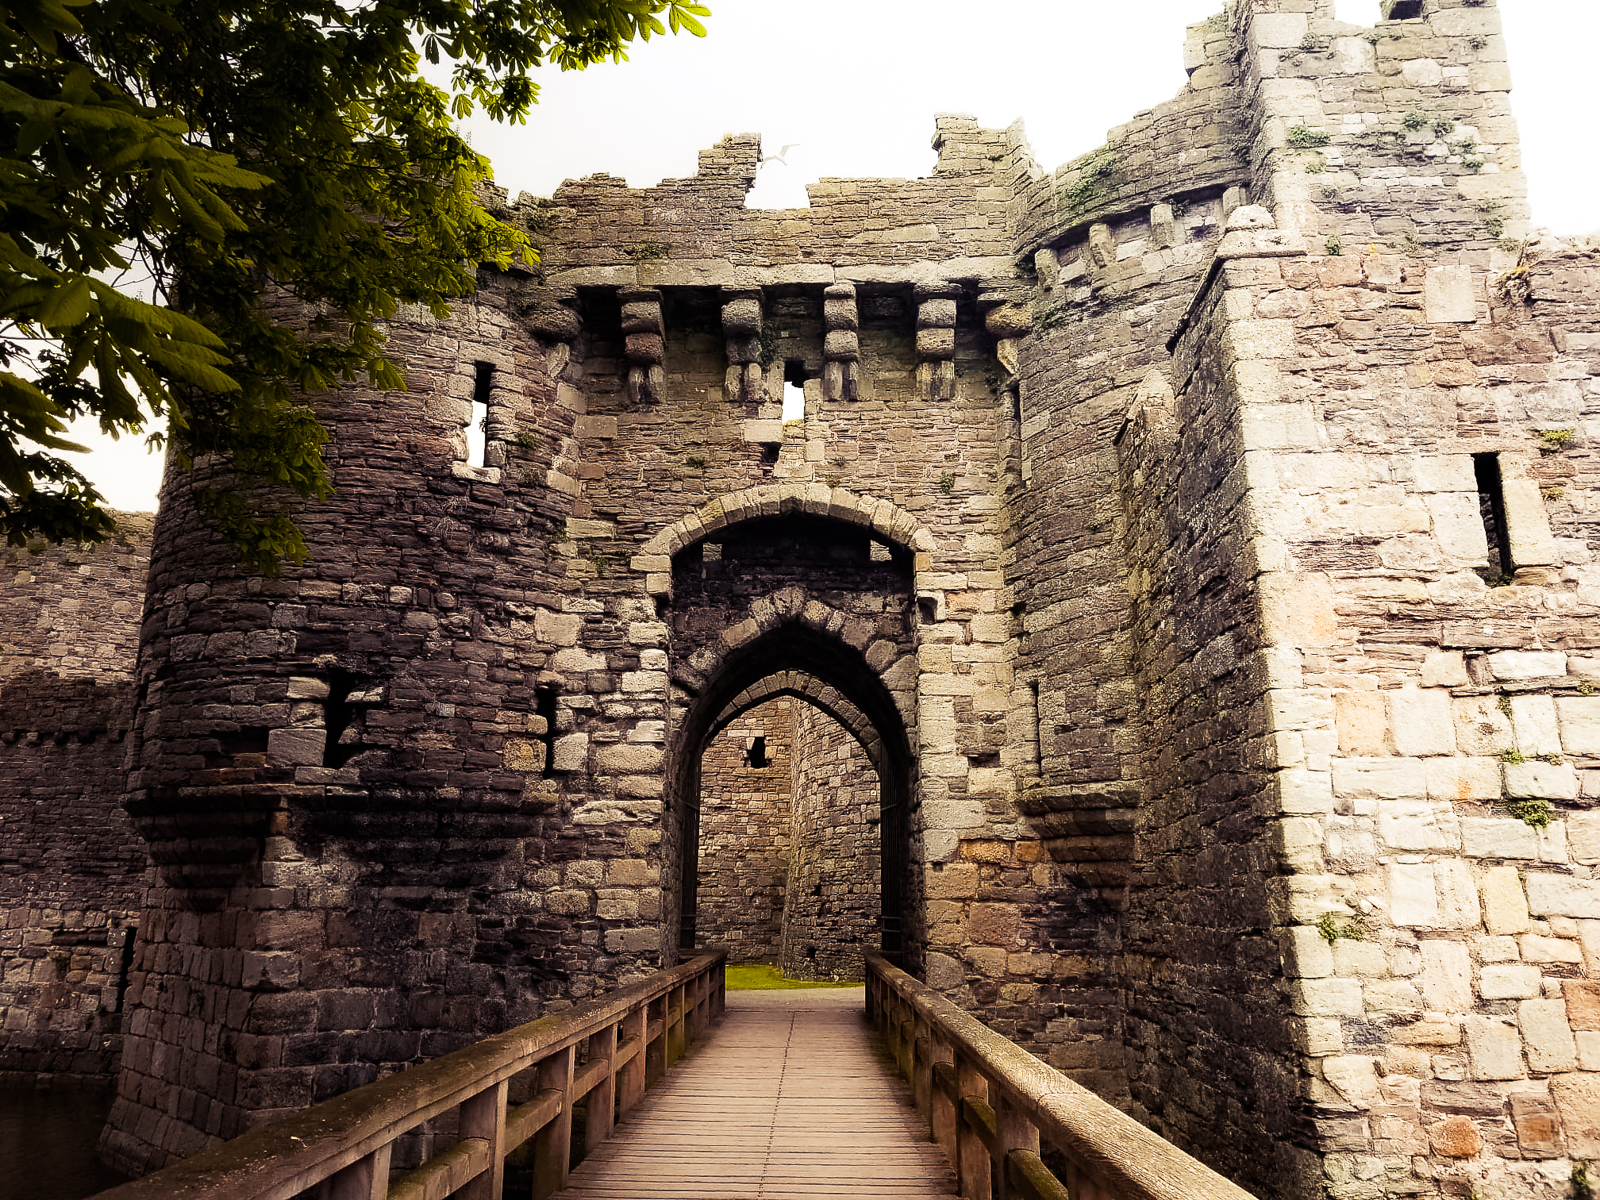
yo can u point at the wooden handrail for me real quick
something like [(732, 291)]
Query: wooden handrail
[(345, 1144), (989, 1103)]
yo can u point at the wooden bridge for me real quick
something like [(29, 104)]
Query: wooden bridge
[(793, 1094)]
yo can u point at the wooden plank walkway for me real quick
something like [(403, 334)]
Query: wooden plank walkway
[(788, 1097)]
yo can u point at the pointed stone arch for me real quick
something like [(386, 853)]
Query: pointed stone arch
[(803, 685)]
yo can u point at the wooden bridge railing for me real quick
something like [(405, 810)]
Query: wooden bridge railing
[(989, 1102), (506, 1089)]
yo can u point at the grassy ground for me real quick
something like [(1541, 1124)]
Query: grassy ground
[(753, 977)]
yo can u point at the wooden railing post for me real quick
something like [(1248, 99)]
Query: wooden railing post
[(655, 1047), (365, 1179), (921, 1078), (630, 1080), (484, 1117), (943, 1113), (601, 1112), (1015, 1132), (973, 1166), (552, 1145), (676, 1040)]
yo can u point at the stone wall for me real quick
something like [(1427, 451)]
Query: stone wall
[(745, 834), (72, 869), (831, 916)]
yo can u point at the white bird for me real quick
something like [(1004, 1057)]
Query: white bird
[(779, 157)]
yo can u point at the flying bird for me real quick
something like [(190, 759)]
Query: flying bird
[(779, 157)]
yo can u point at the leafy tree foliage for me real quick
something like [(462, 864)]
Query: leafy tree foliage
[(210, 206)]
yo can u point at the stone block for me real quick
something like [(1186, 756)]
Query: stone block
[(299, 745), (993, 924), (1527, 664), (1562, 896), (1537, 1122), (1362, 720), (302, 687), (1379, 778), (1535, 948), (1577, 1097), (1458, 525), (936, 344), (1546, 1036), (571, 753), (1354, 1077), (1458, 895), (1481, 728), (1533, 720), (1413, 899), (1455, 1137), (1528, 533), (519, 754), (764, 431), (1447, 292), (1446, 979), (943, 973), (1540, 780), (1583, 836), (1312, 956), (1583, 1004), (1417, 825), (1330, 998), (1494, 1049), (1579, 719), (1505, 905), (628, 759), (1509, 981), (1498, 837), (1457, 779)]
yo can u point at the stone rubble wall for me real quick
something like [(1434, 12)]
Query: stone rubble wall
[(831, 916), (73, 611), (72, 869), (745, 835)]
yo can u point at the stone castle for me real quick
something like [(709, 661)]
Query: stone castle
[(1171, 631)]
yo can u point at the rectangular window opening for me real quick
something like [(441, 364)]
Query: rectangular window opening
[(794, 402), (1492, 508), (478, 425)]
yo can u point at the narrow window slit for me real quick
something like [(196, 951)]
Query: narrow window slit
[(478, 425), (1492, 508), (544, 705)]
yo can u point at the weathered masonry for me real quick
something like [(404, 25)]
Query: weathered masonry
[(1196, 545)]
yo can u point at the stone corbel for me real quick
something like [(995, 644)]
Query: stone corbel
[(551, 315), (841, 345), (741, 325), (645, 344), (936, 341), (1009, 324)]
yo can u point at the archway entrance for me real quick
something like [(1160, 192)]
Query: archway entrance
[(788, 856), (798, 631)]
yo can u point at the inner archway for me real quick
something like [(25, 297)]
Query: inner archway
[(789, 869)]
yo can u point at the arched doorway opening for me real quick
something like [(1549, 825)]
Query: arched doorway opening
[(789, 869), (819, 614)]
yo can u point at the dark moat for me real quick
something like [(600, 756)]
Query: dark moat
[(47, 1144)]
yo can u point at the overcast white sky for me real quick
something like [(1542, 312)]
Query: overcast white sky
[(856, 83)]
